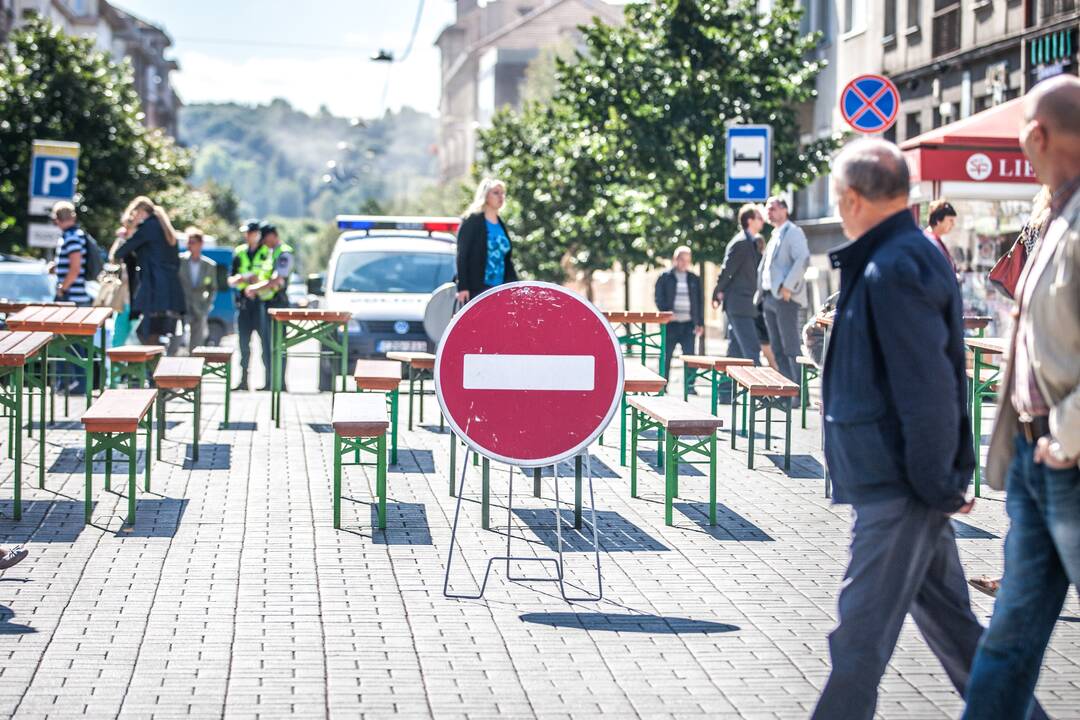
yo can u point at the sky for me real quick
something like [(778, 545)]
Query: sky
[(310, 53)]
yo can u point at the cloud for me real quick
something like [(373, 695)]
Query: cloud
[(348, 84)]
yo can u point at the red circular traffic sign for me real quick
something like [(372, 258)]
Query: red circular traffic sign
[(529, 374)]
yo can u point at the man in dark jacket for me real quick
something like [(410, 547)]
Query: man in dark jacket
[(736, 285), (897, 437), (679, 291)]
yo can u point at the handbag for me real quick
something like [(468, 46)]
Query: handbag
[(1005, 275), (113, 292)]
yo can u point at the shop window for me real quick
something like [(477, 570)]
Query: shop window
[(913, 125), (946, 30)]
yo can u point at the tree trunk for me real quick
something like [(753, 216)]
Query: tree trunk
[(704, 327), (626, 287), (589, 293)]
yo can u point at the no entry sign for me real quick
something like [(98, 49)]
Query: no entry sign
[(529, 374), (869, 103)]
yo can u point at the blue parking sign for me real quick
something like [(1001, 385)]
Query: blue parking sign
[(53, 174), (749, 163)]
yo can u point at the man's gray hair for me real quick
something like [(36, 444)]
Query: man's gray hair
[(874, 168)]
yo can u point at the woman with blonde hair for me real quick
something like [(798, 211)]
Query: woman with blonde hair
[(484, 249), (158, 299)]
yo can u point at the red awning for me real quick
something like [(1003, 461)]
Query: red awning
[(982, 148)]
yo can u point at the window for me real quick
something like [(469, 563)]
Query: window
[(946, 27), (890, 22), (1051, 8), (913, 14), (854, 16), (821, 20), (393, 272), (913, 125)]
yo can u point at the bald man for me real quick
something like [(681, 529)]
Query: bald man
[(1035, 445)]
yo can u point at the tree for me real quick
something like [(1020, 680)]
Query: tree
[(57, 87)]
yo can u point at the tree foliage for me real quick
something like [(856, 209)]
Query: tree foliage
[(627, 160), (57, 87)]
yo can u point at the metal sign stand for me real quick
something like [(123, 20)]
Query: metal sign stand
[(508, 557)]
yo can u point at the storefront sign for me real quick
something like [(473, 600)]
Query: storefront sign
[(930, 164)]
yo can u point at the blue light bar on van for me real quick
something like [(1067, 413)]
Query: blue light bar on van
[(385, 222)]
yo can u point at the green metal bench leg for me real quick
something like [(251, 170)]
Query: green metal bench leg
[(804, 393), (536, 482), (622, 432), (768, 424), (712, 478), (787, 437), (337, 481), (412, 382), (671, 475), (380, 479), (89, 496), (108, 467), (420, 399), (751, 431), (195, 430), (149, 446), (394, 428), (131, 447), (665, 371), (160, 422), (18, 393), (734, 414), (673, 442), (714, 391), (44, 369), (633, 451), (485, 491), (577, 492), (228, 391)]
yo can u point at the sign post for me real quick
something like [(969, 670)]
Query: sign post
[(749, 163), (870, 104), (53, 172), (528, 374)]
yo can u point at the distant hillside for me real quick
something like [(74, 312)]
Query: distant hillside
[(283, 162)]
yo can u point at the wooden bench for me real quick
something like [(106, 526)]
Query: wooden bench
[(112, 423), (382, 376), (637, 380), (763, 389), (675, 419), (808, 372), (360, 424), (179, 378), (421, 367), (217, 363), (132, 364), (24, 363)]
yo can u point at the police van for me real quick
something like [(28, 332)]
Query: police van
[(383, 270)]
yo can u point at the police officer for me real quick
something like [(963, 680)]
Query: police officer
[(270, 290), (248, 259)]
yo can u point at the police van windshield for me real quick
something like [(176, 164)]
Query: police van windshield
[(392, 272)]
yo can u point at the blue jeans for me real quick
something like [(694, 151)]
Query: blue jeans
[(1042, 556)]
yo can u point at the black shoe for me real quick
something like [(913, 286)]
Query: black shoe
[(265, 388), (14, 556), (243, 382)]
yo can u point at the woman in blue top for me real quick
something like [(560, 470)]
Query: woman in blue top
[(484, 250)]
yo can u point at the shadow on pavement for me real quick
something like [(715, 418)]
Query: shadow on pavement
[(406, 524), (234, 426), (970, 532), (803, 467), (616, 533), (413, 461), (633, 623), (730, 525), (9, 628), (153, 518), (62, 522), (212, 456)]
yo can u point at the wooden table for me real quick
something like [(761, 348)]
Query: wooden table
[(637, 380), (16, 350), (977, 323), (73, 329), (384, 376), (715, 367), (983, 381), (636, 333), (421, 367), (292, 326)]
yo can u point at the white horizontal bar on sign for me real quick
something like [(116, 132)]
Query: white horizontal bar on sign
[(529, 372)]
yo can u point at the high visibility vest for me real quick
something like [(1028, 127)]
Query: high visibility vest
[(248, 264), (267, 269)]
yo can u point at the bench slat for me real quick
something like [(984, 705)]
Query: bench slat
[(118, 410), (179, 372), (382, 375), (312, 314), (360, 415), (18, 347), (213, 354), (719, 362), (677, 416), (763, 382), (618, 317)]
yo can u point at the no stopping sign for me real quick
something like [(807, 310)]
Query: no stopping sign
[(529, 374)]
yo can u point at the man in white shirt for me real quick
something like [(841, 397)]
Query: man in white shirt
[(781, 281)]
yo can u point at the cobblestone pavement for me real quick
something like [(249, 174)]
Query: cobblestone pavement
[(233, 595)]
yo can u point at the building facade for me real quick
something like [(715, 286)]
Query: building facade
[(119, 33), (484, 57)]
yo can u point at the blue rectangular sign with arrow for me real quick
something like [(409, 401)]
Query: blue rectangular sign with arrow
[(749, 163)]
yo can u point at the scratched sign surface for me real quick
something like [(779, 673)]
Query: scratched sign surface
[(529, 374)]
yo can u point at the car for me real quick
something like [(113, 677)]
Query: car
[(26, 280), (383, 270)]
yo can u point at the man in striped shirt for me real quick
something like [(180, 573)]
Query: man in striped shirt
[(70, 255)]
